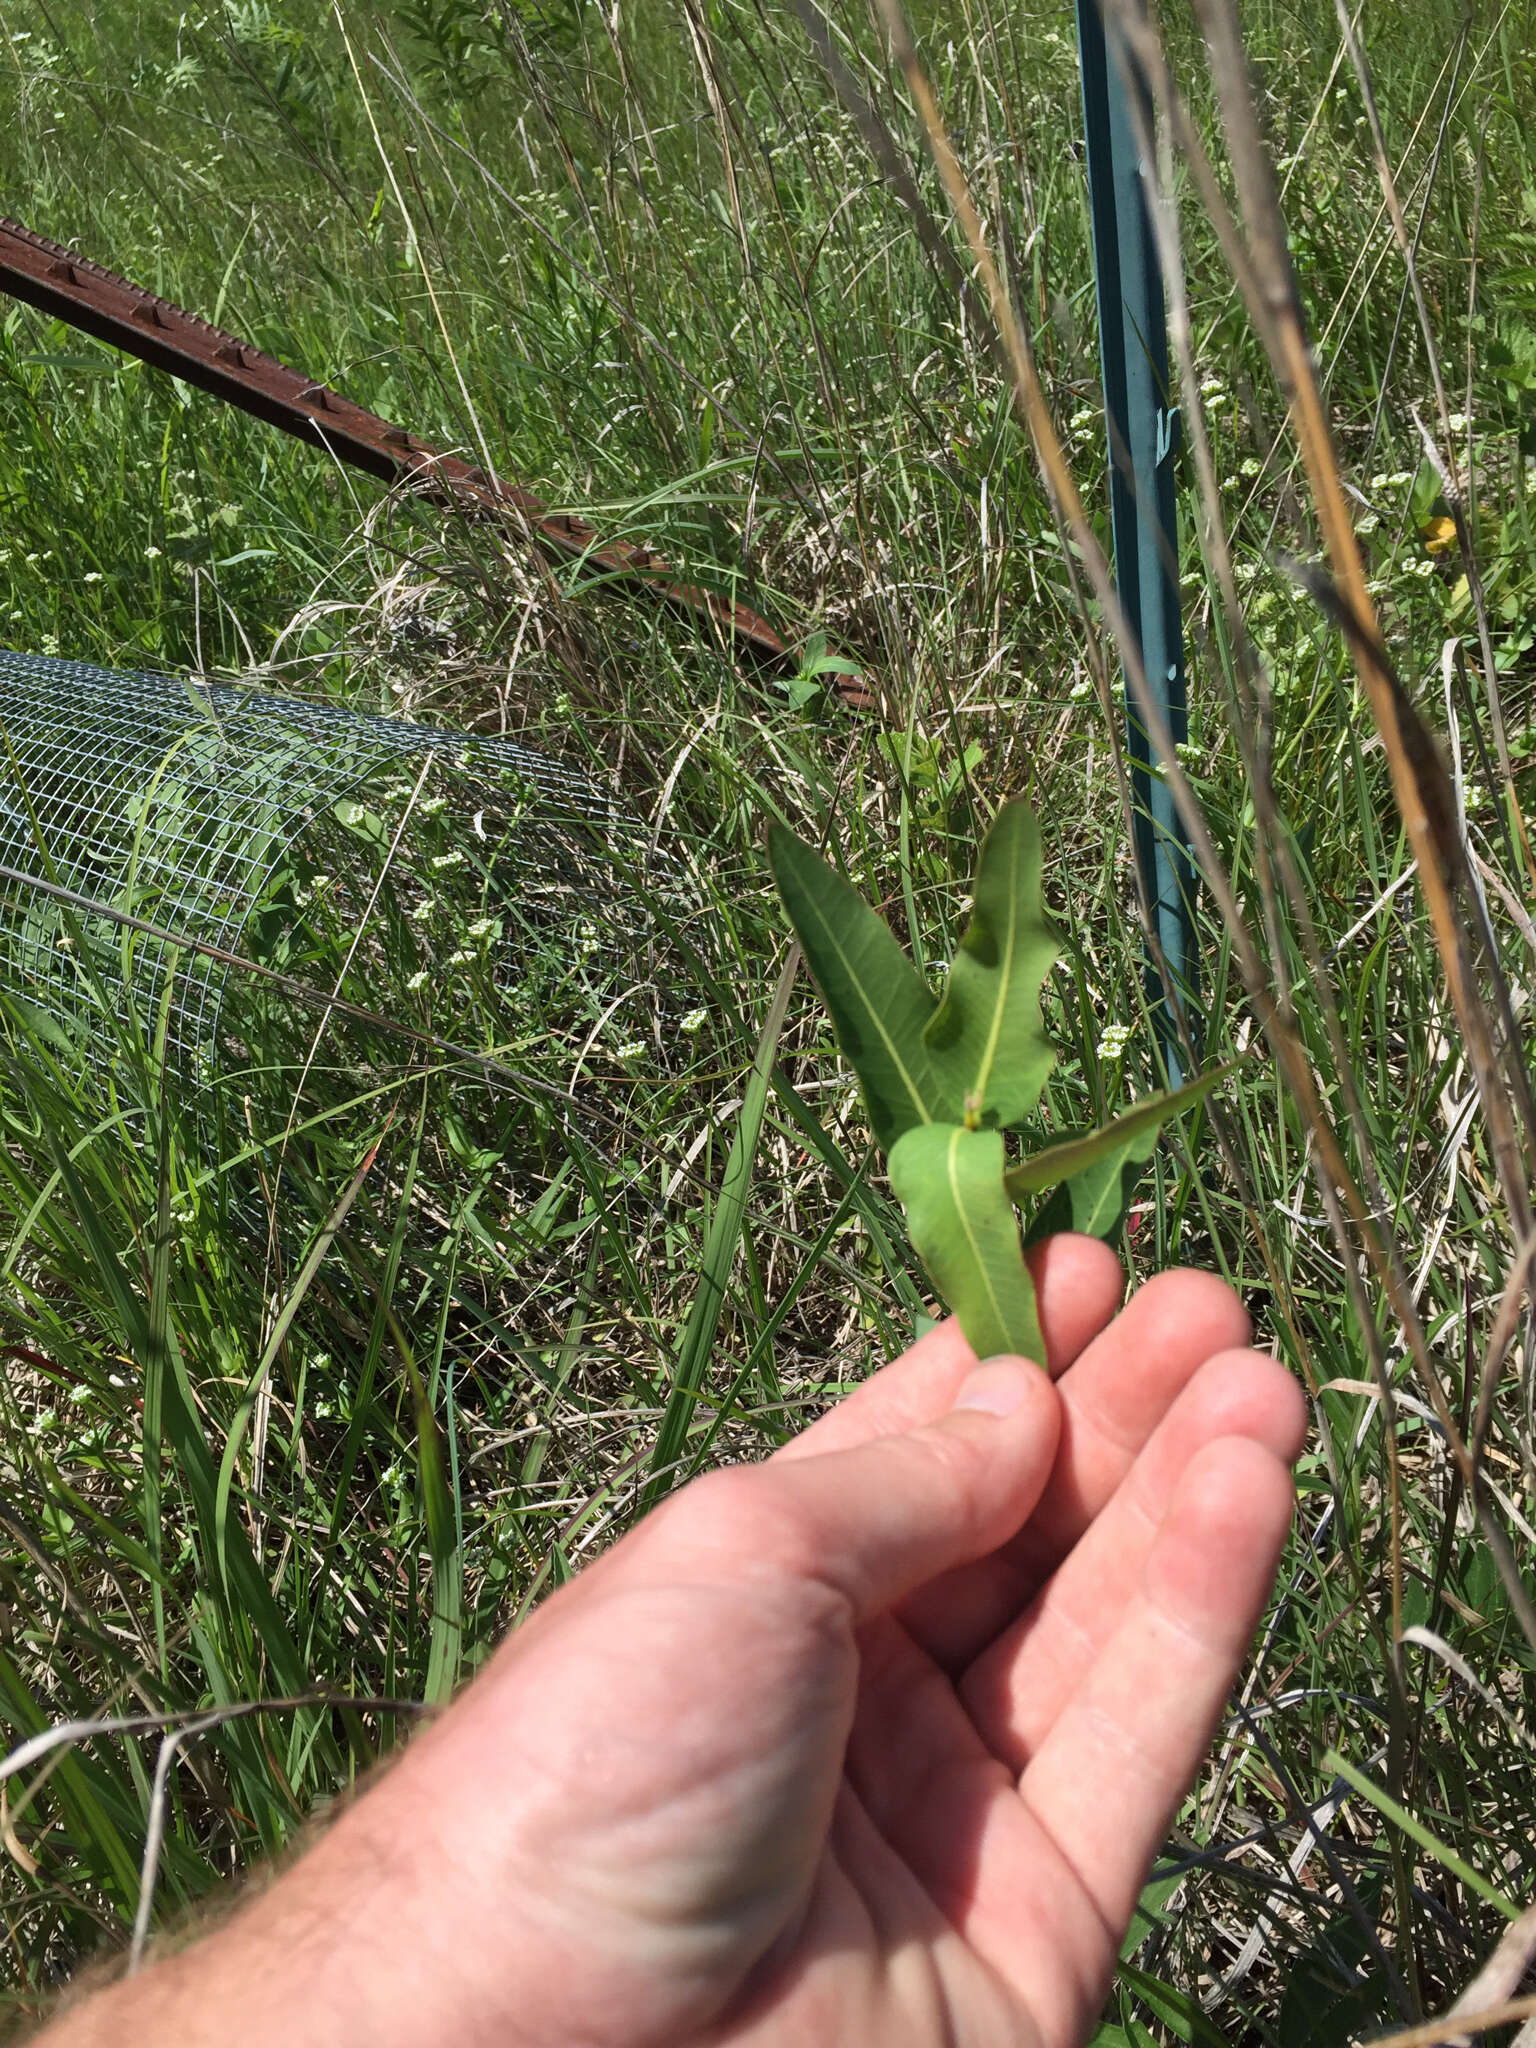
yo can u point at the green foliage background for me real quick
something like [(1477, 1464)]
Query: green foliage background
[(640, 257)]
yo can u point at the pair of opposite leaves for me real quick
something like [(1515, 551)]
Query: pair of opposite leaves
[(944, 1078)]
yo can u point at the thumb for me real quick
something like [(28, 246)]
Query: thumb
[(876, 1521)]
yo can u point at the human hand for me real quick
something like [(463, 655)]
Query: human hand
[(873, 1742)]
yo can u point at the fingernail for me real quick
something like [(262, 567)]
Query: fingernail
[(997, 1386)]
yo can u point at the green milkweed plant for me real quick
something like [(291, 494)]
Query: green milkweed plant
[(946, 1078)]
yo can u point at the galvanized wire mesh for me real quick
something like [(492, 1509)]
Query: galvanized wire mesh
[(177, 803)]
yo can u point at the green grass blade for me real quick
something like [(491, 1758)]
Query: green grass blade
[(83, 1791), (437, 1507), (156, 1347), (875, 1213), (325, 1237), (1416, 1831), (383, 1300), (721, 1244)]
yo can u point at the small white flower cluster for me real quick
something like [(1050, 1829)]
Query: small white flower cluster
[(417, 980), (1383, 481), (1113, 1040), (694, 1022), (1081, 690), (631, 1049)]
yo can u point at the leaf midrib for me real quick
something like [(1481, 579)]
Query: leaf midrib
[(957, 1138), (995, 1030), (857, 984)]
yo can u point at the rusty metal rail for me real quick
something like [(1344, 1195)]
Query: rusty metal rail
[(98, 302)]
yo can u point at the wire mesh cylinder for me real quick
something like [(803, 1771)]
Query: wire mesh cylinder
[(243, 825)]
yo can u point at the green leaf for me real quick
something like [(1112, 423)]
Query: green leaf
[(39, 1025), (1179, 2012), (1102, 1193), (1332, 1993), (362, 823), (950, 1182), (815, 661), (1075, 1157), (1149, 1915), (1106, 2035), (986, 1039), (1096, 1200), (878, 1000)]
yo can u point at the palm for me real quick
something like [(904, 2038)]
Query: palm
[(892, 1947)]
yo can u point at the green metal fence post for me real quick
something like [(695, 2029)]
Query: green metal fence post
[(1143, 435)]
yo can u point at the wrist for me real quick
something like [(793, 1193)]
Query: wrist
[(379, 1935)]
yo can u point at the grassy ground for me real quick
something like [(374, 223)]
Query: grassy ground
[(323, 1403)]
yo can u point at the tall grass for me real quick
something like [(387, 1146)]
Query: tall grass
[(647, 261)]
